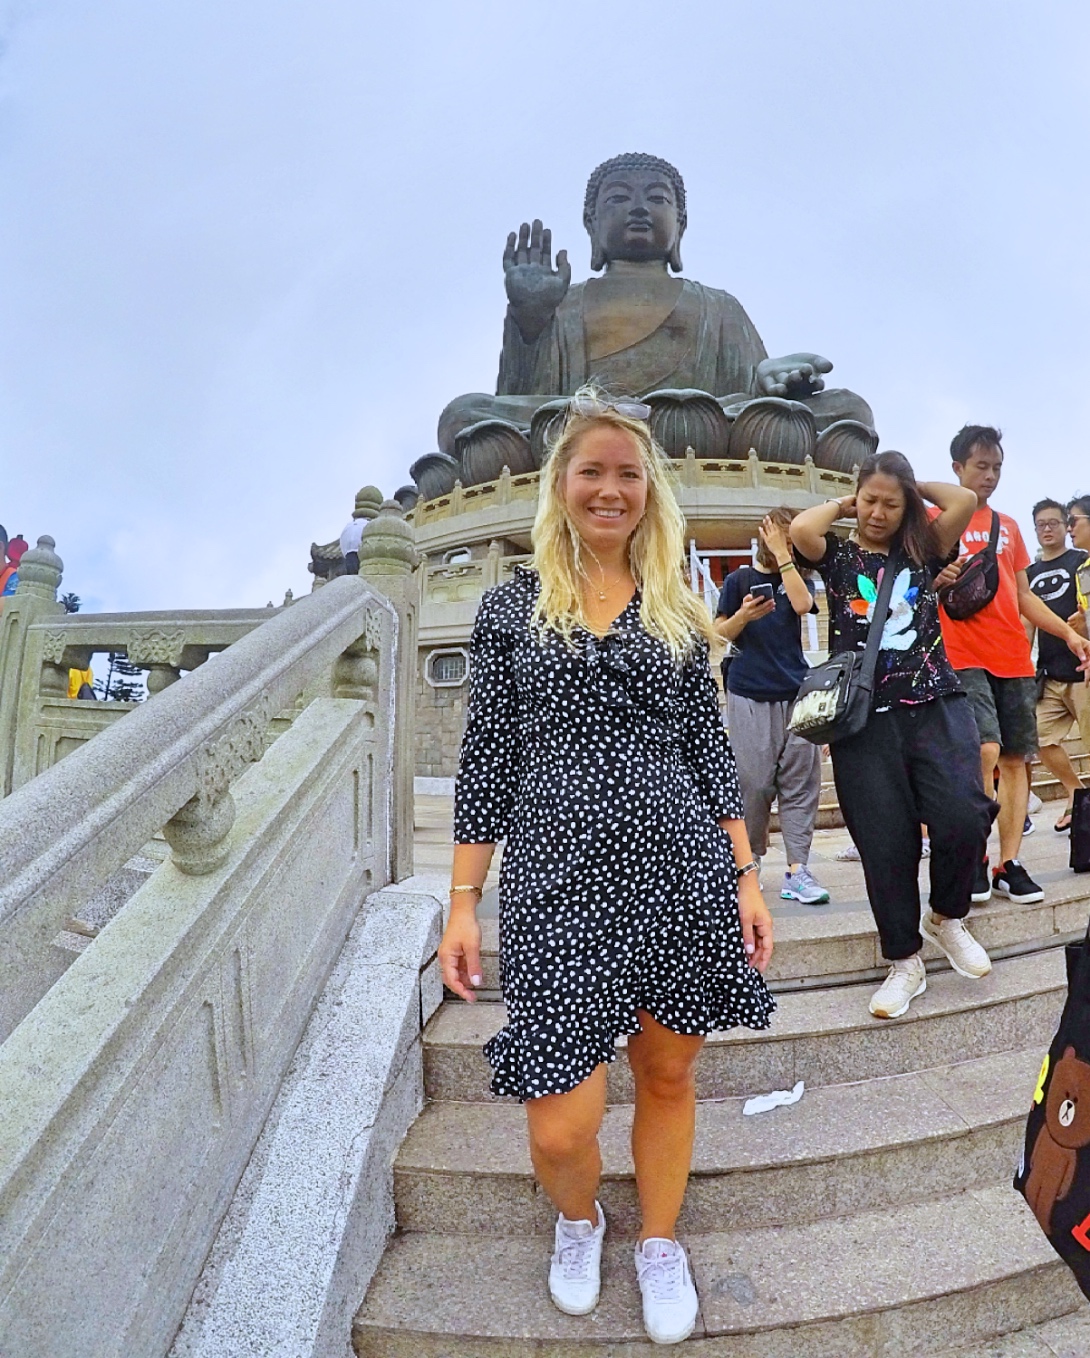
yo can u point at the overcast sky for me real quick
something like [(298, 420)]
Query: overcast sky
[(249, 250)]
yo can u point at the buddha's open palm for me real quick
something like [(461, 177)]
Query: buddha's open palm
[(792, 376), (534, 288)]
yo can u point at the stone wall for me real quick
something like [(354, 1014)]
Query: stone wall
[(440, 719)]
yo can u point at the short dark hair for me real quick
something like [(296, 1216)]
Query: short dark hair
[(4, 535), (916, 536), (634, 160), (1046, 504), (961, 445), (1081, 503)]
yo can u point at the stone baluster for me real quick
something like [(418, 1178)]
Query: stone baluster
[(493, 570), (22, 671), (198, 834), (388, 560), (41, 571), (159, 651)]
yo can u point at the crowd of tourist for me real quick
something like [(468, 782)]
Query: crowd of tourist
[(630, 889)]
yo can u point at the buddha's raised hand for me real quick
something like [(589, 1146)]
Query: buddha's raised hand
[(792, 376), (534, 288)]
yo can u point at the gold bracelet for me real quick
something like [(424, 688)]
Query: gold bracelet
[(788, 566), (477, 891)]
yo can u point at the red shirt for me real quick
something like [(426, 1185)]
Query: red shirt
[(993, 639)]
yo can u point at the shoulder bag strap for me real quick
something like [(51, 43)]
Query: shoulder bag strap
[(993, 537), (878, 622)]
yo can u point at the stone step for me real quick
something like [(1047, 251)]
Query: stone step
[(842, 1148), (1066, 1337), (838, 943), (896, 1284), (823, 1037)]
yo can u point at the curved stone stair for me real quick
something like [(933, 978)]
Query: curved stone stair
[(873, 1219)]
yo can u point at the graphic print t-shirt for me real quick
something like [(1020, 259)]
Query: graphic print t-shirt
[(912, 664), (993, 639), (1054, 584), (770, 665)]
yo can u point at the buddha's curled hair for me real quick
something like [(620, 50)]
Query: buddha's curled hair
[(633, 160), (669, 610)]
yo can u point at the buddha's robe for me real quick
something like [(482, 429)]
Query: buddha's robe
[(707, 342)]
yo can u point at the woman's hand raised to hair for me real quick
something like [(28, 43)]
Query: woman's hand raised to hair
[(756, 922), (460, 952)]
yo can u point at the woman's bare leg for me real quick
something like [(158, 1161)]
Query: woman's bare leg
[(564, 1145), (663, 1064)]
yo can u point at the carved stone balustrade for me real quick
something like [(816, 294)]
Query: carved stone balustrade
[(170, 763)]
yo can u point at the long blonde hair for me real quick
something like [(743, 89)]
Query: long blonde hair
[(669, 610)]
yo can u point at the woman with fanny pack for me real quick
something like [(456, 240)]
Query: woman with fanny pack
[(917, 759)]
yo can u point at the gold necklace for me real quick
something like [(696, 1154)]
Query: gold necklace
[(602, 593)]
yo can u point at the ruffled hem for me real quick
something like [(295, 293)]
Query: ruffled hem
[(719, 1010)]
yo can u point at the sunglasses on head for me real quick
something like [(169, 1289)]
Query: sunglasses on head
[(592, 405)]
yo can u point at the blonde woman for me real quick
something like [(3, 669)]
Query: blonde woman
[(629, 903)]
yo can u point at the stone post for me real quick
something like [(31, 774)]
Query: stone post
[(388, 559), (34, 600)]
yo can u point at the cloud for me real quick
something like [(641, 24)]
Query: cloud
[(251, 251)]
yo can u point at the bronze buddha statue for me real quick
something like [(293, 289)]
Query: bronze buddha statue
[(640, 329)]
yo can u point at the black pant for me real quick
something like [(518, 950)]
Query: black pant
[(915, 763)]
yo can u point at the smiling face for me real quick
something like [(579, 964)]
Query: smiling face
[(880, 510), (604, 488), (981, 470), (636, 216)]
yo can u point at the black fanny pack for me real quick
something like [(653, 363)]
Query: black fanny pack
[(834, 700), (978, 583)]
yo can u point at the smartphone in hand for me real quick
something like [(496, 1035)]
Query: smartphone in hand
[(764, 591)]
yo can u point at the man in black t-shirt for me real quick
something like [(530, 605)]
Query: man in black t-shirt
[(1063, 697)]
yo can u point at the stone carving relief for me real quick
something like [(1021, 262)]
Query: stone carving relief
[(221, 761), (156, 646), (53, 647), (374, 627)]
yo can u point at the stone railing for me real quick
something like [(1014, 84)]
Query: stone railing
[(750, 473), (136, 1076)]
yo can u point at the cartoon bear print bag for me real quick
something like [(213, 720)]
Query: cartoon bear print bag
[(1054, 1174)]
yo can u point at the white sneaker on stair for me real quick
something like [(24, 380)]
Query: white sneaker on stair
[(965, 954), (669, 1295), (906, 979), (575, 1270)]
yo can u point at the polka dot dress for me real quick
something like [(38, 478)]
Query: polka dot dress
[(605, 771)]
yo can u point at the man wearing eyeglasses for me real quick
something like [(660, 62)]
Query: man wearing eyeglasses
[(1063, 698)]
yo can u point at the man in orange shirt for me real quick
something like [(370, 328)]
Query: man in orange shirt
[(993, 660)]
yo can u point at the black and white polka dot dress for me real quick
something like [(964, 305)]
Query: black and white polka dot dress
[(605, 771)]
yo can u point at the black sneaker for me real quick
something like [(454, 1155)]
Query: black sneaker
[(982, 884), (1013, 881), (1028, 828)]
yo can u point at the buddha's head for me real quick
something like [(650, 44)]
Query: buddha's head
[(635, 210)]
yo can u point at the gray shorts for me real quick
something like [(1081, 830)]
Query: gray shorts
[(1005, 710)]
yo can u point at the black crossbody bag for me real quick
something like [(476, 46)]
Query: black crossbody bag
[(834, 700), (978, 583)]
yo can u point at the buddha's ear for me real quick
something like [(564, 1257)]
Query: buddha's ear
[(597, 255), (674, 257)]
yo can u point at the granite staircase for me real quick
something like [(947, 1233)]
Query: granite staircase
[(873, 1219)]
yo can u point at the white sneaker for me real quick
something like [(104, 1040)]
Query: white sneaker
[(1035, 804), (906, 980), (950, 936), (575, 1270), (669, 1296), (848, 854)]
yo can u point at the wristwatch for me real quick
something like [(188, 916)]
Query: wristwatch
[(751, 866)]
